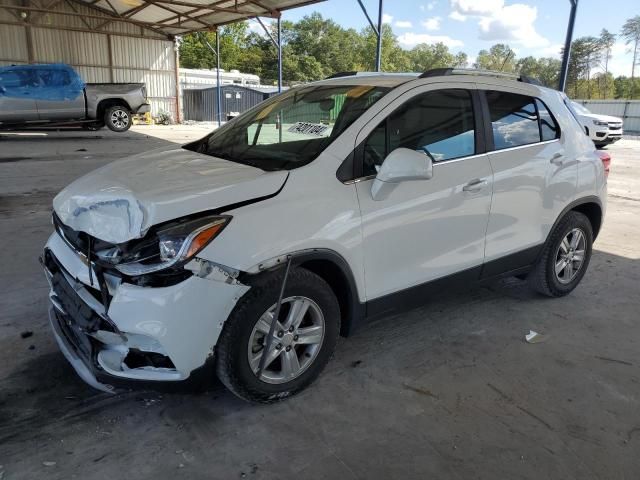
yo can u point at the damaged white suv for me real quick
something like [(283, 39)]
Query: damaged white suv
[(250, 251)]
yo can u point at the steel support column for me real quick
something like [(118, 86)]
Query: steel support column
[(277, 42), (377, 30), (219, 87), (279, 54), (379, 45), (564, 70)]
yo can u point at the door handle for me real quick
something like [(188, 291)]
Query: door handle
[(474, 185), (558, 158)]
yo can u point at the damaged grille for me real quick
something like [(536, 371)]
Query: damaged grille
[(75, 308), (79, 241)]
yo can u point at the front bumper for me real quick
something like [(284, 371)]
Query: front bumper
[(147, 334), (606, 135)]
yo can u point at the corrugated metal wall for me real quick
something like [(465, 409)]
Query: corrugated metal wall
[(200, 104), (628, 110), (119, 53)]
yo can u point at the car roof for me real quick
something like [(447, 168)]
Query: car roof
[(371, 78)]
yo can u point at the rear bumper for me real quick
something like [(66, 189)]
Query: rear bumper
[(144, 108)]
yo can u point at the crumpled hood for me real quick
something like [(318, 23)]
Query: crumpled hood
[(120, 201), (603, 118)]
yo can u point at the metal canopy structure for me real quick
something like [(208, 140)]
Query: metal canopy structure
[(165, 17)]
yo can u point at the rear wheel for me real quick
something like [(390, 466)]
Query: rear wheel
[(302, 343), (118, 118), (565, 257)]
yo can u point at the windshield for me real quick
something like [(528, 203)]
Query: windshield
[(581, 109), (293, 128)]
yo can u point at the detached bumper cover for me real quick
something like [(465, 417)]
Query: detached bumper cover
[(179, 324)]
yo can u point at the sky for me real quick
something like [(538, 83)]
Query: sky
[(530, 27)]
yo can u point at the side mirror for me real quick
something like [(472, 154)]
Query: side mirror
[(401, 165), (2, 90)]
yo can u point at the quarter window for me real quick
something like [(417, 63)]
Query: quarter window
[(549, 128), (439, 123), (514, 120)]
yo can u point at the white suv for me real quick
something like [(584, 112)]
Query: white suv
[(602, 129), (330, 204)]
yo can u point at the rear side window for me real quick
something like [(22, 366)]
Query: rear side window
[(514, 120), (440, 123), (549, 129), (16, 78), (53, 78)]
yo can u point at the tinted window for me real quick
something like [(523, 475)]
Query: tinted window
[(53, 78), (16, 78), (513, 119), (440, 123), (548, 126)]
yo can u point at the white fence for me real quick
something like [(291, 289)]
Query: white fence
[(628, 110)]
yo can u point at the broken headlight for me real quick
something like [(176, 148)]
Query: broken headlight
[(166, 246)]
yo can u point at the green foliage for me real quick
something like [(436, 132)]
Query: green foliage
[(316, 47)]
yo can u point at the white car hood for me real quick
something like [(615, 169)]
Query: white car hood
[(602, 118), (120, 201)]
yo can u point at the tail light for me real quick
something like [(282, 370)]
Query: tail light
[(606, 161)]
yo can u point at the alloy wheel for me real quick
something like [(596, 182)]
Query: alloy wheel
[(297, 339), (119, 119), (570, 256)]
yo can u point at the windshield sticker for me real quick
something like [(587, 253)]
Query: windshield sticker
[(306, 128)]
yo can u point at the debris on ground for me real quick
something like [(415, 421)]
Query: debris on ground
[(49, 464), (26, 334), (32, 347), (535, 337)]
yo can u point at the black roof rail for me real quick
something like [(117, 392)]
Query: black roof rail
[(341, 74), (443, 72)]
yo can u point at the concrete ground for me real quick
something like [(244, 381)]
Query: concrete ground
[(451, 390)]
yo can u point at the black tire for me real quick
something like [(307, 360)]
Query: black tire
[(543, 277), (232, 362), (118, 118)]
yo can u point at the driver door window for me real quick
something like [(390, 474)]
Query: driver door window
[(440, 123)]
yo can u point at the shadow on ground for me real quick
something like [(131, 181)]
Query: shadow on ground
[(450, 389)]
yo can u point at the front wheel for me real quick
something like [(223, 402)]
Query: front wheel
[(565, 257), (302, 343), (118, 118)]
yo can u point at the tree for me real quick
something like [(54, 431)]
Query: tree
[(424, 57), (607, 40), (585, 55), (500, 58), (631, 34)]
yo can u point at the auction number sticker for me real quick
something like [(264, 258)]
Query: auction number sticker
[(306, 128)]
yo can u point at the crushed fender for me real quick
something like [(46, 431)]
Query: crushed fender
[(214, 271)]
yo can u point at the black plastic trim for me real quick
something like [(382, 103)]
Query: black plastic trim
[(577, 203), (412, 297), (515, 262), (479, 122), (486, 120)]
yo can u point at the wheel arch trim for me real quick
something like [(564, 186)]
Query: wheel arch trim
[(346, 291)]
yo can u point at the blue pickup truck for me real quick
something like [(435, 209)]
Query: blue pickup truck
[(55, 95)]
